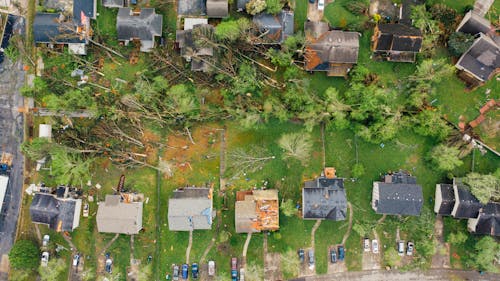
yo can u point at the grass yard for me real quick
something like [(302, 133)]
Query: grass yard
[(339, 17), (300, 14)]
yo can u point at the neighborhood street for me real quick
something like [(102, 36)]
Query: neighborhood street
[(383, 275), (11, 137)]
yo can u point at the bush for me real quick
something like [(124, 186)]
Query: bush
[(24, 255), (456, 238)]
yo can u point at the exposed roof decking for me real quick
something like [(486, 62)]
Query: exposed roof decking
[(190, 208), (114, 216), (256, 211)]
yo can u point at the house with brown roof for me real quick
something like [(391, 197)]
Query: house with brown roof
[(396, 42), (256, 211), (118, 215), (332, 51)]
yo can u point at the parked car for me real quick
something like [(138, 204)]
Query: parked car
[(184, 271), (409, 249), (375, 246), (333, 255), (366, 245), (86, 210), (301, 255), (312, 1), (341, 251), (175, 275), (234, 269), (211, 268), (46, 240), (76, 260), (310, 254), (45, 258), (242, 274), (108, 263), (194, 270), (401, 248), (321, 5)]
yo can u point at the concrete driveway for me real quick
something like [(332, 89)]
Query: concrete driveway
[(313, 14)]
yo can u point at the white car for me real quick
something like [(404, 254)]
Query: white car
[(211, 268), (45, 258), (46, 240), (321, 5), (401, 248), (366, 245), (409, 249), (375, 246)]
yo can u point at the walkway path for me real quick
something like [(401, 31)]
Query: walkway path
[(190, 244), (222, 161), (349, 227), (313, 232), (214, 238), (441, 258), (245, 250)]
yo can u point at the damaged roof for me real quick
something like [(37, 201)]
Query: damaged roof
[(324, 198), (59, 214), (482, 59), (144, 26), (398, 37), (256, 211), (217, 8), (52, 28), (84, 7), (190, 208), (191, 50), (275, 27), (115, 216)]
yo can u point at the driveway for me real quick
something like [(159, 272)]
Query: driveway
[(313, 14), (11, 136)]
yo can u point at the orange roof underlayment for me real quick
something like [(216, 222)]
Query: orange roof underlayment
[(265, 210)]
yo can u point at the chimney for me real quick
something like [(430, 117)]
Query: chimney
[(329, 172)]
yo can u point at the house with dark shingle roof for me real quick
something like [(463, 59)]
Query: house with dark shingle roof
[(397, 194), (473, 23), (273, 29), (466, 205), (217, 8), (115, 215), (84, 9), (480, 62), (143, 26), (332, 51), (487, 221), (56, 211), (113, 3), (194, 51), (444, 199), (256, 211), (396, 42), (324, 197), (190, 208)]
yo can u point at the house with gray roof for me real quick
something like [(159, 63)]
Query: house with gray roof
[(397, 194), (273, 29), (487, 221), (217, 8), (256, 211), (466, 204), (116, 215), (444, 199), (190, 208), (481, 61), (332, 51), (143, 26), (58, 212), (113, 3), (473, 23), (194, 51), (324, 197)]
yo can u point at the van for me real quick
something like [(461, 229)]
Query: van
[(321, 5), (401, 248)]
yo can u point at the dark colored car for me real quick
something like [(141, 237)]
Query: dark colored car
[(301, 255), (175, 276), (108, 263), (234, 269), (312, 1), (341, 251), (185, 269), (333, 256), (194, 270)]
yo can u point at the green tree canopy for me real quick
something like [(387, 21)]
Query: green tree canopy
[(445, 158), (273, 6), (459, 43), (457, 238), (254, 7), (288, 208), (486, 251), (228, 30), (24, 255), (53, 270), (484, 187), (37, 149), (297, 146)]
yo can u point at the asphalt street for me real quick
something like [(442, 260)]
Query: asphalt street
[(11, 137)]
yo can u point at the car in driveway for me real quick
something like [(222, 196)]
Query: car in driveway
[(333, 255), (175, 275), (366, 245), (185, 271), (375, 246), (409, 249), (401, 248), (76, 260), (310, 255), (341, 251), (46, 240), (108, 263), (211, 268), (321, 5), (194, 270), (234, 269), (45, 259), (301, 255), (312, 1)]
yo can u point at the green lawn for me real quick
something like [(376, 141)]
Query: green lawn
[(300, 14), (340, 17)]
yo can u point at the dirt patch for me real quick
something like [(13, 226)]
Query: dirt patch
[(385, 8), (272, 270)]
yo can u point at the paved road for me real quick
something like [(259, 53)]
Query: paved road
[(11, 136), (383, 275)]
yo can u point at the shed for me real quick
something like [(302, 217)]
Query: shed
[(45, 131)]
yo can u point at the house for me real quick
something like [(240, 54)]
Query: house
[(143, 25), (256, 211), (241, 5), (397, 194), (84, 10), (190, 208), (217, 9), (332, 51), (52, 28), (57, 211), (405, 10), (113, 3), (396, 42), (194, 51), (466, 205), (444, 199), (116, 215), (472, 23), (487, 221), (481, 7), (273, 29), (481, 61), (324, 197)]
